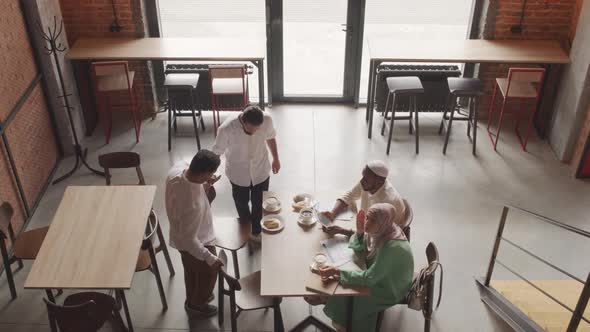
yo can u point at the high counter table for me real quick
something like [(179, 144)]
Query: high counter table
[(540, 52), (174, 49)]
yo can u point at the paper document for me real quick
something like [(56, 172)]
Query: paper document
[(337, 250)]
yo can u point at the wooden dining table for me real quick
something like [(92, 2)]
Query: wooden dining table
[(175, 49), (286, 258), (547, 53), (94, 241)]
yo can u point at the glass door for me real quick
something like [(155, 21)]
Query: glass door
[(313, 46)]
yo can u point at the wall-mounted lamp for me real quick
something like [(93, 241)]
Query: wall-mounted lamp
[(115, 26), (518, 28)]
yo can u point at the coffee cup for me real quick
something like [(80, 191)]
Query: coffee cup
[(306, 215), (319, 260), (272, 203)]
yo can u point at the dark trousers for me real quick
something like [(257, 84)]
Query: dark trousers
[(199, 278), (243, 196)]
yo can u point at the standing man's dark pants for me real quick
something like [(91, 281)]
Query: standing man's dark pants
[(243, 196), (199, 278)]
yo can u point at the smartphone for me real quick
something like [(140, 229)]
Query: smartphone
[(324, 220)]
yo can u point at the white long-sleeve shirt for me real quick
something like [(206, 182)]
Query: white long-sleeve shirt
[(246, 156), (385, 194), (189, 213)]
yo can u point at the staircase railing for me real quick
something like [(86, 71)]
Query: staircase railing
[(577, 312)]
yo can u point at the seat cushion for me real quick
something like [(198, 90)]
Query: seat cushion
[(143, 261), (465, 87), (249, 297), (114, 82), (28, 243), (517, 89), (405, 84), (227, 86), (182, 80)]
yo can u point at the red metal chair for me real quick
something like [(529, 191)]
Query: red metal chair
[(521, 84), (227, 80), (111, 77)]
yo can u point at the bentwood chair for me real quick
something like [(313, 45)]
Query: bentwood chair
[(428, 280), (25, 246), (87, 311), (522, 84), (147, 256), (122, 160), (227, 80), (244, 295), (408, 218), (113, 80)]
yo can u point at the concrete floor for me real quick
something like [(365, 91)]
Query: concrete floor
[(457, 201)]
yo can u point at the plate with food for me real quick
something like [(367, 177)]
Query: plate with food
[(271, 204), (302, 201), (272, 223)]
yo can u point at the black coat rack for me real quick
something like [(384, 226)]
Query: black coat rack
[(54, 48)]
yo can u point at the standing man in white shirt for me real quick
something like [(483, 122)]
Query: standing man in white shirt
[(189, 193), (244, 139), (373, 188)]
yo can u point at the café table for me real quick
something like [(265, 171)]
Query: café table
[(547, 53), (286, 257), (94, 241), (175, 49)]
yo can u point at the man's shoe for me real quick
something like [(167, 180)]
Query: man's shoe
[(204, 310)]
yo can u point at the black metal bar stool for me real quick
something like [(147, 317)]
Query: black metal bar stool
[(470, 88), (411, 87), (181, 102)]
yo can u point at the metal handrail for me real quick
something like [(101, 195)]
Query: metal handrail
[(578, 312)]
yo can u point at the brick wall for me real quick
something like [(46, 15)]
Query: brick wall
[(85, 18), (30, 134), (544, 19)]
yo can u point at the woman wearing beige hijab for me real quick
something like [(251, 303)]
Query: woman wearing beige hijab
[(389, 273)]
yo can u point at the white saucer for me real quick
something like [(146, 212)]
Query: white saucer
[(275, 230), (310, 223), (267, 209)]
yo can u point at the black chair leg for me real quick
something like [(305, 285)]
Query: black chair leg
[(220, 313), (417, 129), (7, 268), (450, 125), (410, 118), (50, 295), (195, 125), (278, 317), (169, 125), (234, 255), (391, 124), (164, 248), (233, 312), (119, 320), (202, 121), (475, 114), (384, 113), (156, 272)]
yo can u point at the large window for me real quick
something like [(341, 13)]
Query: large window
[(412, 20), (216, 19)]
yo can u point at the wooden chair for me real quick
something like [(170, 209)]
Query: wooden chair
[(521, 84), (231, 237), (147, 256), (25, 246), (433, 260), (86, 312), (114, 77), (227, 80), (116, 160), (408, 218), (244, 295)]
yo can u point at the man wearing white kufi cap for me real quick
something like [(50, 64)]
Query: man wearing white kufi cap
[(373, 188)]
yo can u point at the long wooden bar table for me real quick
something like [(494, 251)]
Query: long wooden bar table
[(175, 49), (541, 52), (286, 257), (94, 240)]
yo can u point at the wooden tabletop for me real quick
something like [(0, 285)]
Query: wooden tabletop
[(472, 50), (180, 49), (94, 239), (286, 255)]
